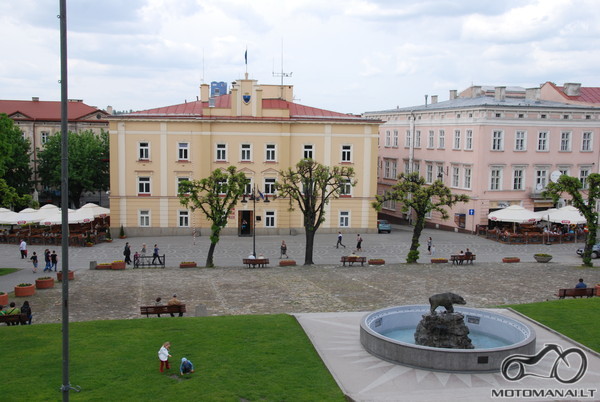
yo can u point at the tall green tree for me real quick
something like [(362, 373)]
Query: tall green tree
[(15, 166), (88, 163), (584, 200), (312, 185), (216, 196), (10, 199), (411, 191)]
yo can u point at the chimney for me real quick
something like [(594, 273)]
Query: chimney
[(500, 93), (434, 99), (476, 91), (532, 94), (453, 93), (572, 89), (109, 109), (35, 99), (204, 91)]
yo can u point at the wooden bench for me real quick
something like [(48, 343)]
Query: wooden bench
[(158, 310), (14, 319), (261, 262), (575, 292), (351, 260), (460, 259)]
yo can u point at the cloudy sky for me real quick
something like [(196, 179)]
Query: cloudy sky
[(344, 55)]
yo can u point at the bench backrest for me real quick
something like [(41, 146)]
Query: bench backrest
[(576, 292), (14, 318), (178, 308), (256, 260)]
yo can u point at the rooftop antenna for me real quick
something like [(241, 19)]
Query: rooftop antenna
[(281, 74)]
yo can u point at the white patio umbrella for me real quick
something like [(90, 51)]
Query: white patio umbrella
[(23, 217), (73, 217), (6, 217), (514, 214), (566, 215), (96, 210)]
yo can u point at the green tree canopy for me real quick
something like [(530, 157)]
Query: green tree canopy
[(88, 163), (216, 196), (411, 191), (311, 186), (584, 200), (15, 153), (10, 199)]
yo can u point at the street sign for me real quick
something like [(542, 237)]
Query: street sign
[(471, 212)]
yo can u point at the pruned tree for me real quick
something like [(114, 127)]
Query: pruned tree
[(412, 192), (312, 185), (216, 196), (88, 163), (584, 200)]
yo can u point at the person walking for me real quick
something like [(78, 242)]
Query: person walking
[(53, 260), (283, 250), (143, 252), (48, 266), (127, 254), (163, 356), (339, 241), (429, 243), (155, 255), (359, 241), (34, 261), (23, 248)]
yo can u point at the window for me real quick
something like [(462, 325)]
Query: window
[(442, 140), (395, 138), (542, 144), (456, 139), (184, 219), (565, 141), (346, 187), (563, 170), (497, 140), (496, 178), (270, 219), (418, 139), (179, 181), (144, 217), (386, 168), (143, 186), (248, 187), (543, 116), (586, 141), (246, 153), (222, 187), (455, 176), (394, 169), (407, 139), (270, 153), (388, 138), (221, 152), (390, 168), (347, 153), (270, 185), (518, 178), (389, 204), (541, 179), (431, 139), (584, 172), (429, 173), (467, 177), (183, 151), (308, 152), (44, 136), (440, 172), (344, 219), (521, 141), (144, 151), (469, 140)]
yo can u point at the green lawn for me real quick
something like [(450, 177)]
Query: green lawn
[(6, 271), (237, 358), (576, 318)]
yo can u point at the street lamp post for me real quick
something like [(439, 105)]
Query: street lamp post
[(253, 198)]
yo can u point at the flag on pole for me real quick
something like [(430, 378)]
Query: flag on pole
[(246, 56), (261, 195)]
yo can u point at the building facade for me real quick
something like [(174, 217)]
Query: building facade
[(500, 148), (258, 129)]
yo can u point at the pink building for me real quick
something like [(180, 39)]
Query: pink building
[(498, 146)]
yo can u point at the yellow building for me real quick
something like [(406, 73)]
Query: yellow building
[(258, 129)]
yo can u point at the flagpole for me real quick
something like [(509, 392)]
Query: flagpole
[(246, 60)]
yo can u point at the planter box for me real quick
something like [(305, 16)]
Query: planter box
[(597, 292), (187, 265), (44, 283), (287, 263), (59, 275), (439, 260), (376, 261), (4, 299), (24, 291), (118, 265), (510, 260), (104, 266), (540, 258)]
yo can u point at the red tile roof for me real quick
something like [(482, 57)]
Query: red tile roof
[(586, 94), (47, 110), (195, 109)]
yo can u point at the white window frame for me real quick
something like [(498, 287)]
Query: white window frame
[(183, 218), (388, 138), (520, 140), (442, 139), (144, 218), (44, 137), (456, 140), (455, 176), (469, 140), (344, 219), (346, 188), (496, 174), (407, 139), (144, 185), (269, 185), (542, 141), (386, 168), (395, 139), (183, 151), (429, 173), (565, 141), (221, 152), (418, 139), (584, 172), (308, 151), (431, 139), (467, 177), (541, 177), (393, 168), (144, 150), (270, 221), (497, 140), (178, 184), (586, 143), (271, 152), (518, 178), (245, 152), (346, 153)]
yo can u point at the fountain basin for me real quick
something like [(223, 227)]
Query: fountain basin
[(515, 336)]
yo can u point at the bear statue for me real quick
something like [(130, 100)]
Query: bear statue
[(446, 300)]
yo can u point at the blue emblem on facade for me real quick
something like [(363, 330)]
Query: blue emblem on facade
[(246, 98)]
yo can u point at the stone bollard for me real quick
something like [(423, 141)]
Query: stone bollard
[(93, 264)]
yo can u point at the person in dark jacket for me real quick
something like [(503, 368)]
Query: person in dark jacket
[(26, 309)]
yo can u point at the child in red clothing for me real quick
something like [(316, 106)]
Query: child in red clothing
[(163, 356)]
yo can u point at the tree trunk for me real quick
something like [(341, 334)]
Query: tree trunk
[(308, 252), (413, 254), (209, 257)]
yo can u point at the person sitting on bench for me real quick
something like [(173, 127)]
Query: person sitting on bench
[(580, 284)]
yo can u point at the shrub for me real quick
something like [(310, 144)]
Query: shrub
[(22, 285), (541, 255)]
